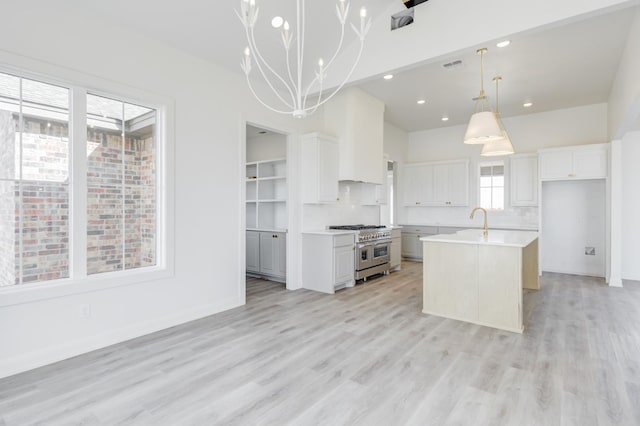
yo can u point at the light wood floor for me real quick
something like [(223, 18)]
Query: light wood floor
[(365, 356)]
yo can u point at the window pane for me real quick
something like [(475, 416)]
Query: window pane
[(498, 181), (140, 187), (498, 198), (485, 198), (34, 200), (9, 127), (122, 185), (485, 181), (105, 171), (9, 232), (45, 231)]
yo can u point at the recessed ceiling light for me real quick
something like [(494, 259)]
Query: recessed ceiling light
[(421, 101), (277, 22), (527, 104), (504, 43), (388, 77), (445, 118)]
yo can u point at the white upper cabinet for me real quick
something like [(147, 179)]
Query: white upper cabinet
[(437, 184), (357, 119), (577, 162), (523, 170), (320, 155)]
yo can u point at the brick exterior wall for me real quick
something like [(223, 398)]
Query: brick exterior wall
[(45, 196)]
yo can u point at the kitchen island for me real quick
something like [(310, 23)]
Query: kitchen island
[(475, 278)]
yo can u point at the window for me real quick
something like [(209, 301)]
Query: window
[(43, 191), (121, 183), (492, 185)]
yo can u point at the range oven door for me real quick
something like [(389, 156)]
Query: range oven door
[(372, 254)]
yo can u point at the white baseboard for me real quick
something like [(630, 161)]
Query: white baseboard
[(580, 273), (29, 361)]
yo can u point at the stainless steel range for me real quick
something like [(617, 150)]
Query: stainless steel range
[(373, 249)]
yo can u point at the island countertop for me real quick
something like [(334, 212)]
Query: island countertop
[(495, 238)]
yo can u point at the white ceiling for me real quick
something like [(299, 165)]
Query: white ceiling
[(561, 67)]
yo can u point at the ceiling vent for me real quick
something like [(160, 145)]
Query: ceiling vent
[(452, 65)]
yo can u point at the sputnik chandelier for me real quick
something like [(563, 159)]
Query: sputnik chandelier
[(295, 92)]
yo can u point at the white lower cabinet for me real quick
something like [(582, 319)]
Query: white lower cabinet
[(253, 251), (328, 262), (267, 254), (411, 246)]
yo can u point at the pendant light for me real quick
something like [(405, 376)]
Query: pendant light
[(483, 126), (501, 146)]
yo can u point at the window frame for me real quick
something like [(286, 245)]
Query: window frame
[(493, 163), (78, 282)]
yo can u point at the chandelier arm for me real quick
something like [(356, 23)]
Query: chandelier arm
[(343, 82), (300, 54), (289, 68), (259, 58), (318, 103), (337, 50), (255, 95), (306, 93)]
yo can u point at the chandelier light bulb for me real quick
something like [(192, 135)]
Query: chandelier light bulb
[(247, 51), (363, 12), (320, 62)]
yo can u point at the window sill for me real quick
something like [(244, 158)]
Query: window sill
[(28, 293)]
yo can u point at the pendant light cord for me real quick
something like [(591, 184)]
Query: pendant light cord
[(481, 51)]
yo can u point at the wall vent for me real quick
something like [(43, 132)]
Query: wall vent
[(452, 65)]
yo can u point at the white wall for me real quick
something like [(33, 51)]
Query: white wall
[(573, 217), (210, 108), (347, 211), (624, 98), (529, 133), (266, 147), (631, 206), (396, 144)]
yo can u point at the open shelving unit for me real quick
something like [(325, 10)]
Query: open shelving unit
[(267, 194)]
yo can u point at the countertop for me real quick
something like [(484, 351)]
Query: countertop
[(471, 226), (495, 238), (329, 232)]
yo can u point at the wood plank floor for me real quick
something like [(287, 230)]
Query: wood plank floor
[(365, 356)]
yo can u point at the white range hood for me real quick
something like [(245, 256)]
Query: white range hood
[(357, 119)]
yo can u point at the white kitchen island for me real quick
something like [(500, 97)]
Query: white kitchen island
[(479, 279)]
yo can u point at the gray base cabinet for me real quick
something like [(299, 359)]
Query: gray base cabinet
[(267, 254)]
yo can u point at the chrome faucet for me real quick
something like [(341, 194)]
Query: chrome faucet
[(486, 228)]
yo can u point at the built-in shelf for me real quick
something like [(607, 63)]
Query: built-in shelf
[(266, 194)]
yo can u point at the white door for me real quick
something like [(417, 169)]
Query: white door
[(590, 164), (281, 258), (440, 196), (458, 184), (556, 165), (344, 264), (524, 180)]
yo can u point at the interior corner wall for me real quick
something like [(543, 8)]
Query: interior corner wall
[(573, 213), (624, 98), (630, 206), (210, 105)]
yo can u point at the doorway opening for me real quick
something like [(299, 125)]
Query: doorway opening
[(266, 211)]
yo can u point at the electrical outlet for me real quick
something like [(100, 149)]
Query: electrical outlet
[(85, 311), (590, 251)]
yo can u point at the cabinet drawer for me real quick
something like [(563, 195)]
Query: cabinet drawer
[(418, 229), (343, 240)]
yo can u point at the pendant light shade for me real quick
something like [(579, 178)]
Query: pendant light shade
[(483, 126), (498, 147), (501, 146)]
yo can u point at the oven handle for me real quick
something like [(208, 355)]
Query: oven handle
[(374, 243)]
